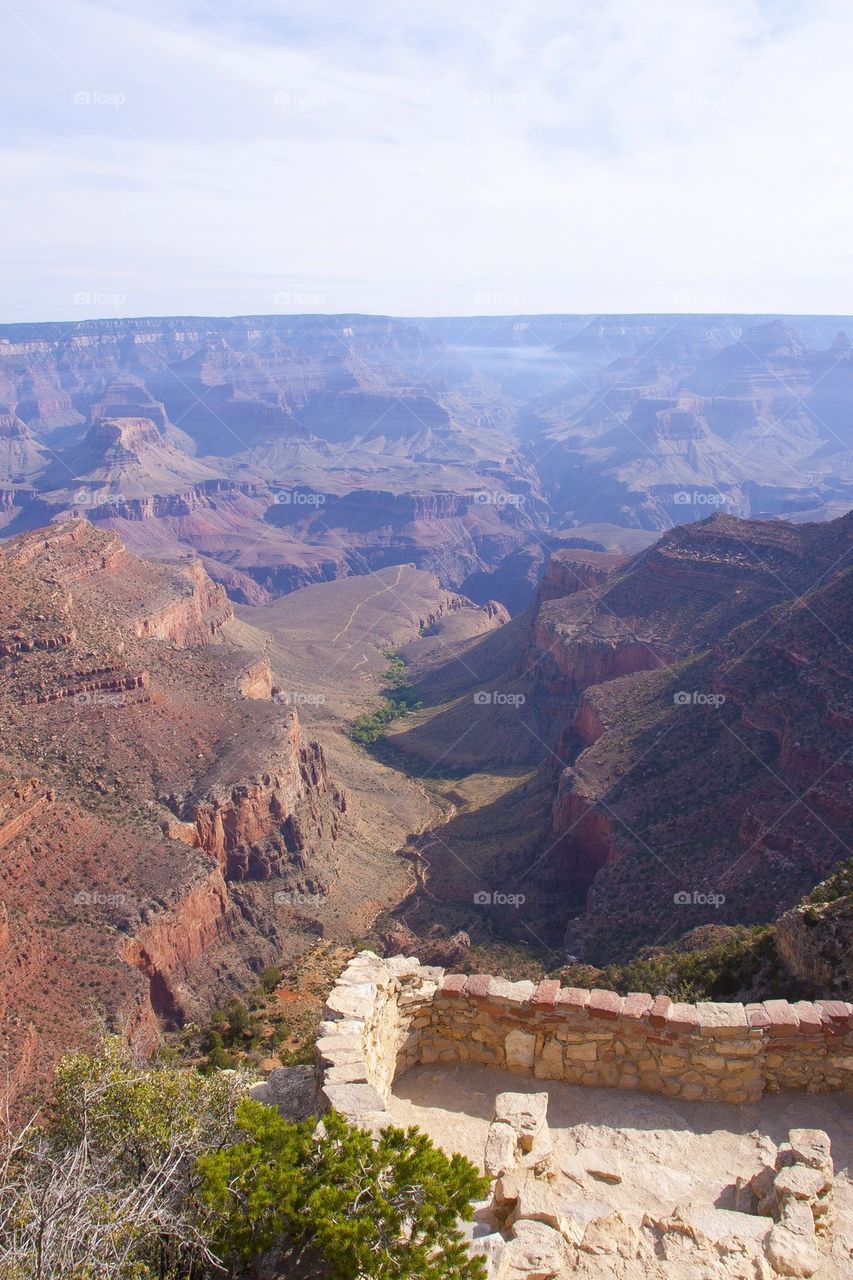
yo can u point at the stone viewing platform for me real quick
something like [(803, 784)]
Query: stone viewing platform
[(729, 1173), (385, 1016)]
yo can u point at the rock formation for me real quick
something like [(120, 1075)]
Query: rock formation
[(723, 642), (194, 427), (145, 770)]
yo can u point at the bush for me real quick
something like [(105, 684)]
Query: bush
[(291, 1196), (160, 1173), (271, 978), (741, 961), (836, 886), (108, 1189)]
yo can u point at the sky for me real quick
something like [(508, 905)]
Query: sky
[(425, 157)]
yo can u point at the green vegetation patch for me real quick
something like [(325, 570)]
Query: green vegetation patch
[(152, 1172), (741, 963), (401, 699)]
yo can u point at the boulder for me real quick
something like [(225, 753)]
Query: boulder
[(811, 1147), (502, 1149), (293, 1090), (526, 1113), (610, 1231), (494, 1251), (797, 1217), (538, 1203), (507, 1190), (799, 1182), (536, 1251), (790, 1254)]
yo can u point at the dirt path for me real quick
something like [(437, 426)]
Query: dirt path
[(367, 600)]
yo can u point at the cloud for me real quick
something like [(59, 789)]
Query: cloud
[(412, 158)]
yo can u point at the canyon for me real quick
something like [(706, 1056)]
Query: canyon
[(153, 797), (289, 450), (628, 726), (657, 746)]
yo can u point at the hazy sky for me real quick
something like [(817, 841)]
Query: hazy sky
[(425, 156)]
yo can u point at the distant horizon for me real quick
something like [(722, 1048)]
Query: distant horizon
[(437, 315)]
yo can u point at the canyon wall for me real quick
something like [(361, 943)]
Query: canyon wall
[(571, 570), (281, 821), (168, 947), (195, 617), (147, 772), (686, 654)]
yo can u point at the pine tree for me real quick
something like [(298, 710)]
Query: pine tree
[(384, 1210)]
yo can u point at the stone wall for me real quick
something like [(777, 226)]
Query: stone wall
[(385, 1016)]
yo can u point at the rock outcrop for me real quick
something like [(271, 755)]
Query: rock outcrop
[(282, 822), (815, 938), (197, 615), (120, 691)]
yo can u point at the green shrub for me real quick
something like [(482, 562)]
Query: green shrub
[(158, 1173), (271, 978), (836, 886), (106, 1189), (289, 1196)]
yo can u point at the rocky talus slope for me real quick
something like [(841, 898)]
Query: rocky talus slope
[(156, 800)]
